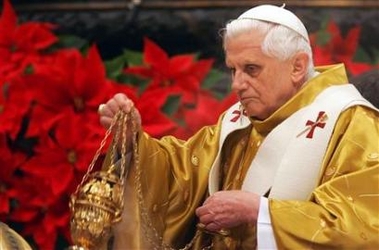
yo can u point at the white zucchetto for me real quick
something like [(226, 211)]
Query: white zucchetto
[(278, 15)]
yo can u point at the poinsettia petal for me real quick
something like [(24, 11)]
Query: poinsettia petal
[(180, 64), (155, 56), (322, 56), (90, 75), (4, 203), (8, 22), (356, 68), (154, 121), (352, 41), (34, 36), (24, 215), (15, 100), (141, 71), (60, 181), (201, 68)]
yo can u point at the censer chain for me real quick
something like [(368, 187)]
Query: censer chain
[(99, 151), (147, 224)]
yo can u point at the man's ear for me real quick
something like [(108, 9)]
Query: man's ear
[(299, 68)]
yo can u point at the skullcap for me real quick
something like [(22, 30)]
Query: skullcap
[(278, 15)]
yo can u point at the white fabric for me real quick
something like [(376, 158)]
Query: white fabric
[(278, 15), (294, 159), (271, 154), (227, 128), (265, 233)]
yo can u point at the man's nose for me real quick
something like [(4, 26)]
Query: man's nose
[(238, 81)]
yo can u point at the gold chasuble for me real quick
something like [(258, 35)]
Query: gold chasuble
[(341, 213)]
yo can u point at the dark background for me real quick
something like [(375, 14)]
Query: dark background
[(182, 26)]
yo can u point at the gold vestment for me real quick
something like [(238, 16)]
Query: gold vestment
[(341, 214)]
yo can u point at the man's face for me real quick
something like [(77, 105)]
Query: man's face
[(262, 83)]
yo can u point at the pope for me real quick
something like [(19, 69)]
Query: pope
[(294, 164)]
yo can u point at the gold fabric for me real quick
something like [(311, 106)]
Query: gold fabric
[(341, 214)]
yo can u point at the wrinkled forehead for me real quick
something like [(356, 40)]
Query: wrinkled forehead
[(243, 48)]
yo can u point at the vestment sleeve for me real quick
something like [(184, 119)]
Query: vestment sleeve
[(343, 210), (173, 178)]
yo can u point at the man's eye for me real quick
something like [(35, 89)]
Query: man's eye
[(251, 69)]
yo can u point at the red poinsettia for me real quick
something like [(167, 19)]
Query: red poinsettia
[(180, 73), (20, 45), (15, 102), (70, 145), (43, 214), (73, 82), (10, 160), (205, 111), (49, 126), (154, 120), (340, 49)]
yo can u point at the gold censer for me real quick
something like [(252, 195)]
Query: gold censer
[(98, 201)]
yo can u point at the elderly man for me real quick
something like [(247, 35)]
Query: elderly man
[(293, 165)]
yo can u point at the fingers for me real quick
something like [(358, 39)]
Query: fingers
[(109, 109), (211, 217), (118, 102), (210, 223), (106, 121), (121, 101), (228, 209), (205, 214)]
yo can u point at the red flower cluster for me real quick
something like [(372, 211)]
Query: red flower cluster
[(49, 127), (180, 76), (334, 48)]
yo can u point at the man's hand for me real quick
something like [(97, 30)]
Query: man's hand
[(108, 110), (228, 209)]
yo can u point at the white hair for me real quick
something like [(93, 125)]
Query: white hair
[(280, 42)]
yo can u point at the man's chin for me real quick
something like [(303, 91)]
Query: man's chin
[(255, 114)]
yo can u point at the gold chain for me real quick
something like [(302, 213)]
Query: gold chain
[(97, 154), (147, 225)]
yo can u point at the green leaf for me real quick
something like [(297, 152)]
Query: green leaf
[(215, 83), (323, 36), (362, 56), (214, 76), (171, 105), (70, 41), (139, 82), (115, 67), (134, 58), (370, 57)]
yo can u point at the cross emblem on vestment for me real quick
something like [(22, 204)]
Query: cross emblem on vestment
[(311, 125), (237, 114)]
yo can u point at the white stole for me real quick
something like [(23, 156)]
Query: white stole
[(287, 161)]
